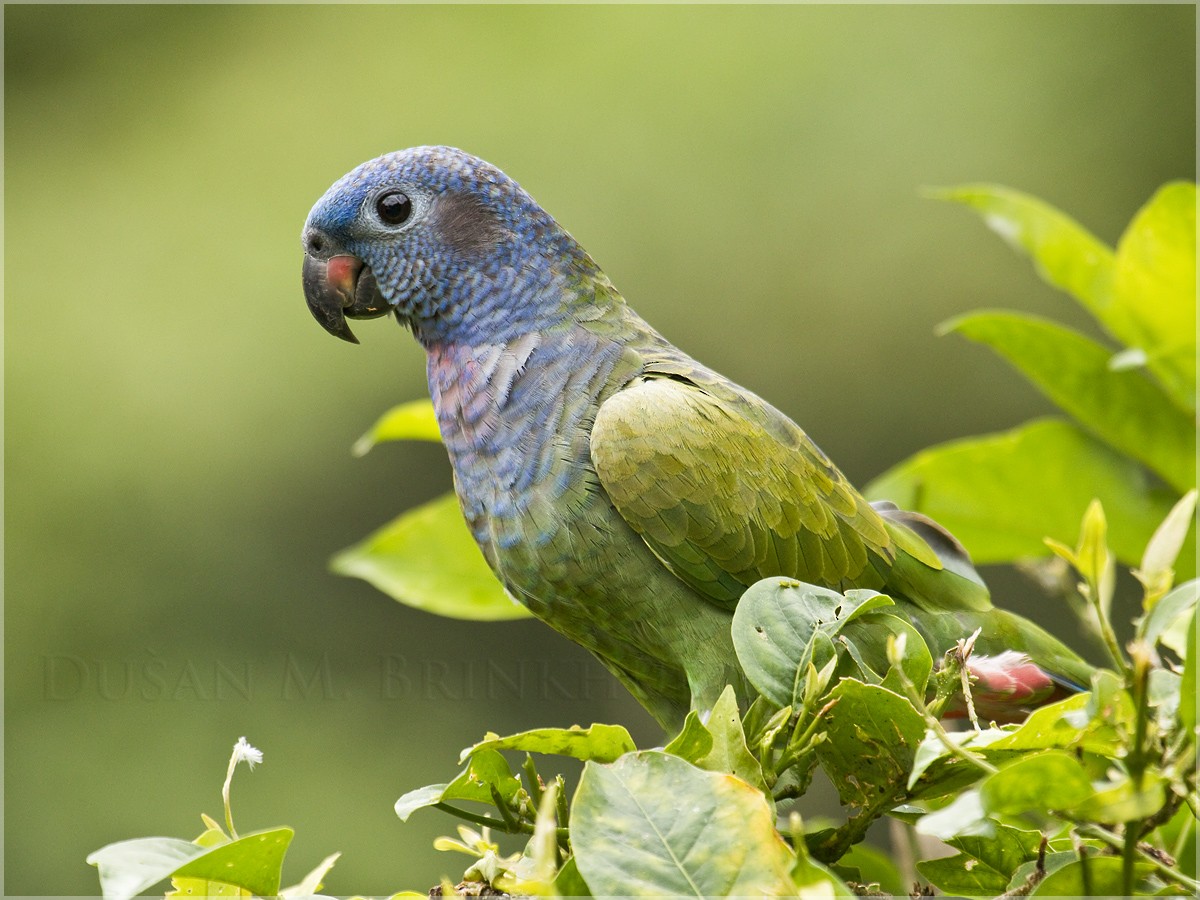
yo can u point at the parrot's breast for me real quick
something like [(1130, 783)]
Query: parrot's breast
[(516, 421)]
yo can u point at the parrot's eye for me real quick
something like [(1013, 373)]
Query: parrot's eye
[(393, 208)]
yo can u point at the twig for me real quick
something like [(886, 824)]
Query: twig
[(486, 821), (931, 722), (1117, 842), (963, 650)]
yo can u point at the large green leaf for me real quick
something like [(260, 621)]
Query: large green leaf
[(1123, 408), (651, 824), (1065, 725), (719, 744), (963, 876), (486, 770), (781, 624), (1051, 780), (426, 558), (1002, 494), (412, 421), (1095, 876), (1066, 254), (1154, 290), (985, 865), (599, 742), (128, 868), (963, 816), (872, 738), (253, 862)]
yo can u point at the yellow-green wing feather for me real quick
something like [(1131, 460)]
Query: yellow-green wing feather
[(727, 490)]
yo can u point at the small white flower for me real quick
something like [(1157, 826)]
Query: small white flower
[(243, 751)]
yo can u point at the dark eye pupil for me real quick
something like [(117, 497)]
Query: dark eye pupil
[(393, 208)]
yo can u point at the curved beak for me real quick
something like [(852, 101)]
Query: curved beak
[(340, 286)]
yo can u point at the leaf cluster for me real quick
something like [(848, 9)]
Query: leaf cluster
[(1128, 433), (1093, 795)]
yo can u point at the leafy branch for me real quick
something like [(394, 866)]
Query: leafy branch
[(1092, 795)]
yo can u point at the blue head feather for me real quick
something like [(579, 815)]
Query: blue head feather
[(478, 260)]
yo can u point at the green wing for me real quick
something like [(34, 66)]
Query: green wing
[(727, 490)]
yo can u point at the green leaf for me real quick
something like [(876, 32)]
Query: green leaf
[(813, 879), (1067, 724), (311, 883), (253, 862), (204, 887), (213, 833), (1065, 254), (875, 867), (412, 421), (653, 824), (1125, 409), (602, 743), (1003, 852), (1157, 573), (1092, 557), (1052, 780), (427, 559), (1095, 876), (1023, 879), (719, 745), (1121, 801), (1154, 289), (932, 750), (964, 816), (569, 883), (872, 739), (868, 636), (694, 741), (128, 868), (1168, 610), (1002, 494), (780, 625), (420, 798), (963, 875), (486, 769), (1187, 691)]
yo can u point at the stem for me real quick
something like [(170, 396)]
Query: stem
[(931, 722), (1128, 856), (233, 761), (1139, 675), (486, 821), (791, 756), (514, 824), (1107, 635), (1181, 842), (1117, 842), (536, 788), (564, 810), (965, 676)]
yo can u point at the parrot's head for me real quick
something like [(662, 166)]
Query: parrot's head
[(429, 234)]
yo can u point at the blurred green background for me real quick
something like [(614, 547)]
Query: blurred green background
[(178, 428)]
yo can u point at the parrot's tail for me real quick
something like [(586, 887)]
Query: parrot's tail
[(1008, 686)]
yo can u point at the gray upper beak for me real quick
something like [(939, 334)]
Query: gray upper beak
[(338, 285)]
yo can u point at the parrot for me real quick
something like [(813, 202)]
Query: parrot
[(622, 491)]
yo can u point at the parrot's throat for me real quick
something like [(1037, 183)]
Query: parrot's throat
[(514, 416)]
